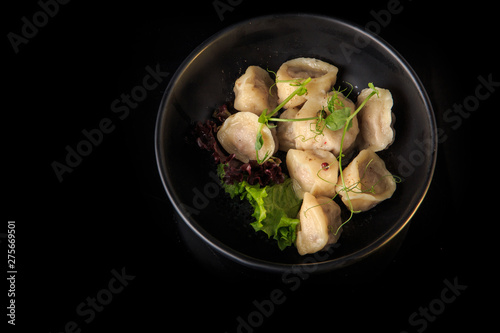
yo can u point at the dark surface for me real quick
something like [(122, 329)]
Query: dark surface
[(110, 215)]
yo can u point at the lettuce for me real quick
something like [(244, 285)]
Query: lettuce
[(275, 207)]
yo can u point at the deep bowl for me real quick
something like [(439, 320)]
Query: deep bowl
[(205, 80)]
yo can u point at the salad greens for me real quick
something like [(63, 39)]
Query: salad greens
[(275, 207)]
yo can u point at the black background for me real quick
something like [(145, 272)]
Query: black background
[(111, 211)]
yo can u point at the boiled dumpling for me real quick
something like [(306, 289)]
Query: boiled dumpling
[(329, 140), (252, 91), (238, 134), (308, 171), (368, 181), (286, 137), (332, 211), (323, 75), (375, 120), (319, 221)]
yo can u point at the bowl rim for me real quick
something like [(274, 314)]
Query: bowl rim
[(277, 267)]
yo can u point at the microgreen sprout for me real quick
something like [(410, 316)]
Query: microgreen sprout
[(343, 186), (264, 118)]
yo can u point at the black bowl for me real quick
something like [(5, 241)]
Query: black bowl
[(205, 81)]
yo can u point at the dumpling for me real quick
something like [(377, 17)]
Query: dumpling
[(252, 93), (323, 75), (238, 133), (332, 211), (329, 140), (286, 137), (368, 181), (375, 120), (319, 221), (308, 172)]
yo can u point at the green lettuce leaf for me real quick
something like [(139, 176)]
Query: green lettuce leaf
[(275, 208)]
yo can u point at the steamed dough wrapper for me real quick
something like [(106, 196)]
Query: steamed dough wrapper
[(319, 221), (238, 134), (286, 137), (323, 75), (375, 120), (368, 180), (329, 140), (308, 174), (252, 91)]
